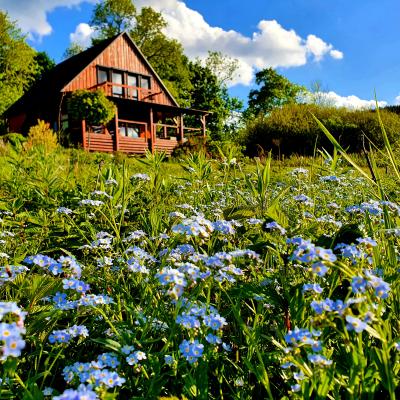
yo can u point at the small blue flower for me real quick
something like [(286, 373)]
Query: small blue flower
[(313, 287), (169, 360), (295, 388), (355, 324)]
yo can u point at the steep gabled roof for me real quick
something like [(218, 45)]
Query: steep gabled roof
[(52, 82), (50, 86), (143, 59)]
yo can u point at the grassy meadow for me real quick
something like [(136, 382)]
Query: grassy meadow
[(126, 278)]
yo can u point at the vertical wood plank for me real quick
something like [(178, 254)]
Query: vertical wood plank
[(83, 134), (116, 131), (152, 133), (181, 128)]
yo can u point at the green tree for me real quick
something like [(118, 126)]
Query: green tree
[(73, 49), (42, 64), (210, 94), (17, 63), (222, 66), (275, 91), (111, 17)]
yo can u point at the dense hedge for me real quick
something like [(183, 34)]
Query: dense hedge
[(292, 129)]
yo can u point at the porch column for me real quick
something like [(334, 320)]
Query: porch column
[(83, 128), (116, 131), (152, 136), (203, 124), (181, 128)]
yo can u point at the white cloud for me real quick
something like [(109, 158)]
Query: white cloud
[(271, 45), (351, 102), (31, 15), (338, 55), (397, 100), (317, 47), (82, 35)]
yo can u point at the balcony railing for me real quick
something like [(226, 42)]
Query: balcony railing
[(127, 92), (156, 136)]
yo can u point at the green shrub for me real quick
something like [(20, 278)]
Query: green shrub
[(41, 135), (94, 107), (292, 129)]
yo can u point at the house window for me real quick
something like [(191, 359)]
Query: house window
[(129, 130), (117, 90), (132, 80), (145, 82), (102, 75)]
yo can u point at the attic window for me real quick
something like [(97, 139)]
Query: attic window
[(117, 78), (102, 75), (145, 82)]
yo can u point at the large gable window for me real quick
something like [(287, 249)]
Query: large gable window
[(124, 83), (132, 80), (145, 82), (102, 75), (117, 77)]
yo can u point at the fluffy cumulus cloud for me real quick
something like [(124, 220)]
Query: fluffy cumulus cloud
[(32, 14), (82, 35), (351, 102), (271, 45), (397, 100), (336, 54)]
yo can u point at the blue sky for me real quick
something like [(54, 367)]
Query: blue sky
[(351, 47)]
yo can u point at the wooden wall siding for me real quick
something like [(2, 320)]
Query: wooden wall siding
[(131, 145), (99, 142), (16, 122), (165, 145), (120, 54)]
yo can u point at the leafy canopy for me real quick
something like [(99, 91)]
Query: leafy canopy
[(16, 63), (275, 91), (42, 64), (112, 17), (210, 92)]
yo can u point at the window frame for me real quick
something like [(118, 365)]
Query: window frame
[(125, 74)]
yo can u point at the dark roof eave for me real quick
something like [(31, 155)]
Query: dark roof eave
[(165, 107)]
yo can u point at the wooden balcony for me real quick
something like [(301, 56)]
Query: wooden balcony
[(158, 137), (128, 92)]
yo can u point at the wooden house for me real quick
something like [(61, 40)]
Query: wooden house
[(147, 115)]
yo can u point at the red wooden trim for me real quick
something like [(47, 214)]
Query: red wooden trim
[(166, 145), (83, 127), (152, 131), (128, 90), (116, 131), (181, 128)]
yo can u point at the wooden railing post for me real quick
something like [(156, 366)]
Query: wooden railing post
[(203, 125), (83, 127), (181, 128), (116, 131), (152, 133)]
